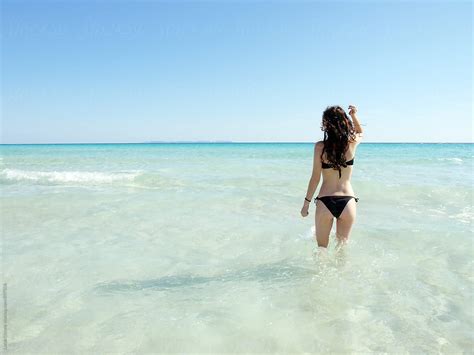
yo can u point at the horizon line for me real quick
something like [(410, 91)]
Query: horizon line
[(223, 142)]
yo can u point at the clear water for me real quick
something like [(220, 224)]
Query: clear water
[(201, 248)]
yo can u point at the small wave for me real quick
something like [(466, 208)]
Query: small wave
[(465, 216), (457, 160), (13, 175)]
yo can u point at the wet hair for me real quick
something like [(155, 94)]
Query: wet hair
[(338, 132)]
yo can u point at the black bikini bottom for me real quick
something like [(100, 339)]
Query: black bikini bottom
[(335, 204)]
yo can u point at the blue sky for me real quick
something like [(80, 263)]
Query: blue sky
[(133, 71)]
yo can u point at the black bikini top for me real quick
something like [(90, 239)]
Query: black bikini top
[(329, 166)]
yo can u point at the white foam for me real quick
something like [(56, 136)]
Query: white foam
[(466, 215), (68, 176), (309, 235)]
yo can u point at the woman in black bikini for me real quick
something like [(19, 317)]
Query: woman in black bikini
[(333, 158)]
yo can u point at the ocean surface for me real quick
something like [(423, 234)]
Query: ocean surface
[(170, 248)]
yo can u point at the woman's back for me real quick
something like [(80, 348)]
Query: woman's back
[(333, 183)]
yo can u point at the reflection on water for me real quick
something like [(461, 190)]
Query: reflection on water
[(325, 263), (270, 273)]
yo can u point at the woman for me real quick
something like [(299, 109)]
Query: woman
[(334, 158)]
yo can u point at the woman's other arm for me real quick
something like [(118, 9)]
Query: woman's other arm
[(315, 178), (355, 120)]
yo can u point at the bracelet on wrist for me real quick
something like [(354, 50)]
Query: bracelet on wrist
[(307, 199)]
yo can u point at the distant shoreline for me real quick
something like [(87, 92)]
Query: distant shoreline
[(222, 142)]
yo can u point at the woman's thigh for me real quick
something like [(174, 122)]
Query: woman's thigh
[(346, 220), (323, 220)]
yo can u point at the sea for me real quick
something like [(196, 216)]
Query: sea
[(201, 248)]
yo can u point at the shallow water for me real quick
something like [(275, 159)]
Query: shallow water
[(201, 248)]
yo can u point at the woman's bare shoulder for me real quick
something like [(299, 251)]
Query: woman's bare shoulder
[(319, 145)]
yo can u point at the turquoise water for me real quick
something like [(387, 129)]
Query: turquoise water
[(201, 248)]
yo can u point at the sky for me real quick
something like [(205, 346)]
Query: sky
[(261, 71)]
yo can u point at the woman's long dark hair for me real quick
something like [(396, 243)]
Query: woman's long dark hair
[(338, 131)]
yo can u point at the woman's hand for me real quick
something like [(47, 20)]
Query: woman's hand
[(352, 110), (304, 210)]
